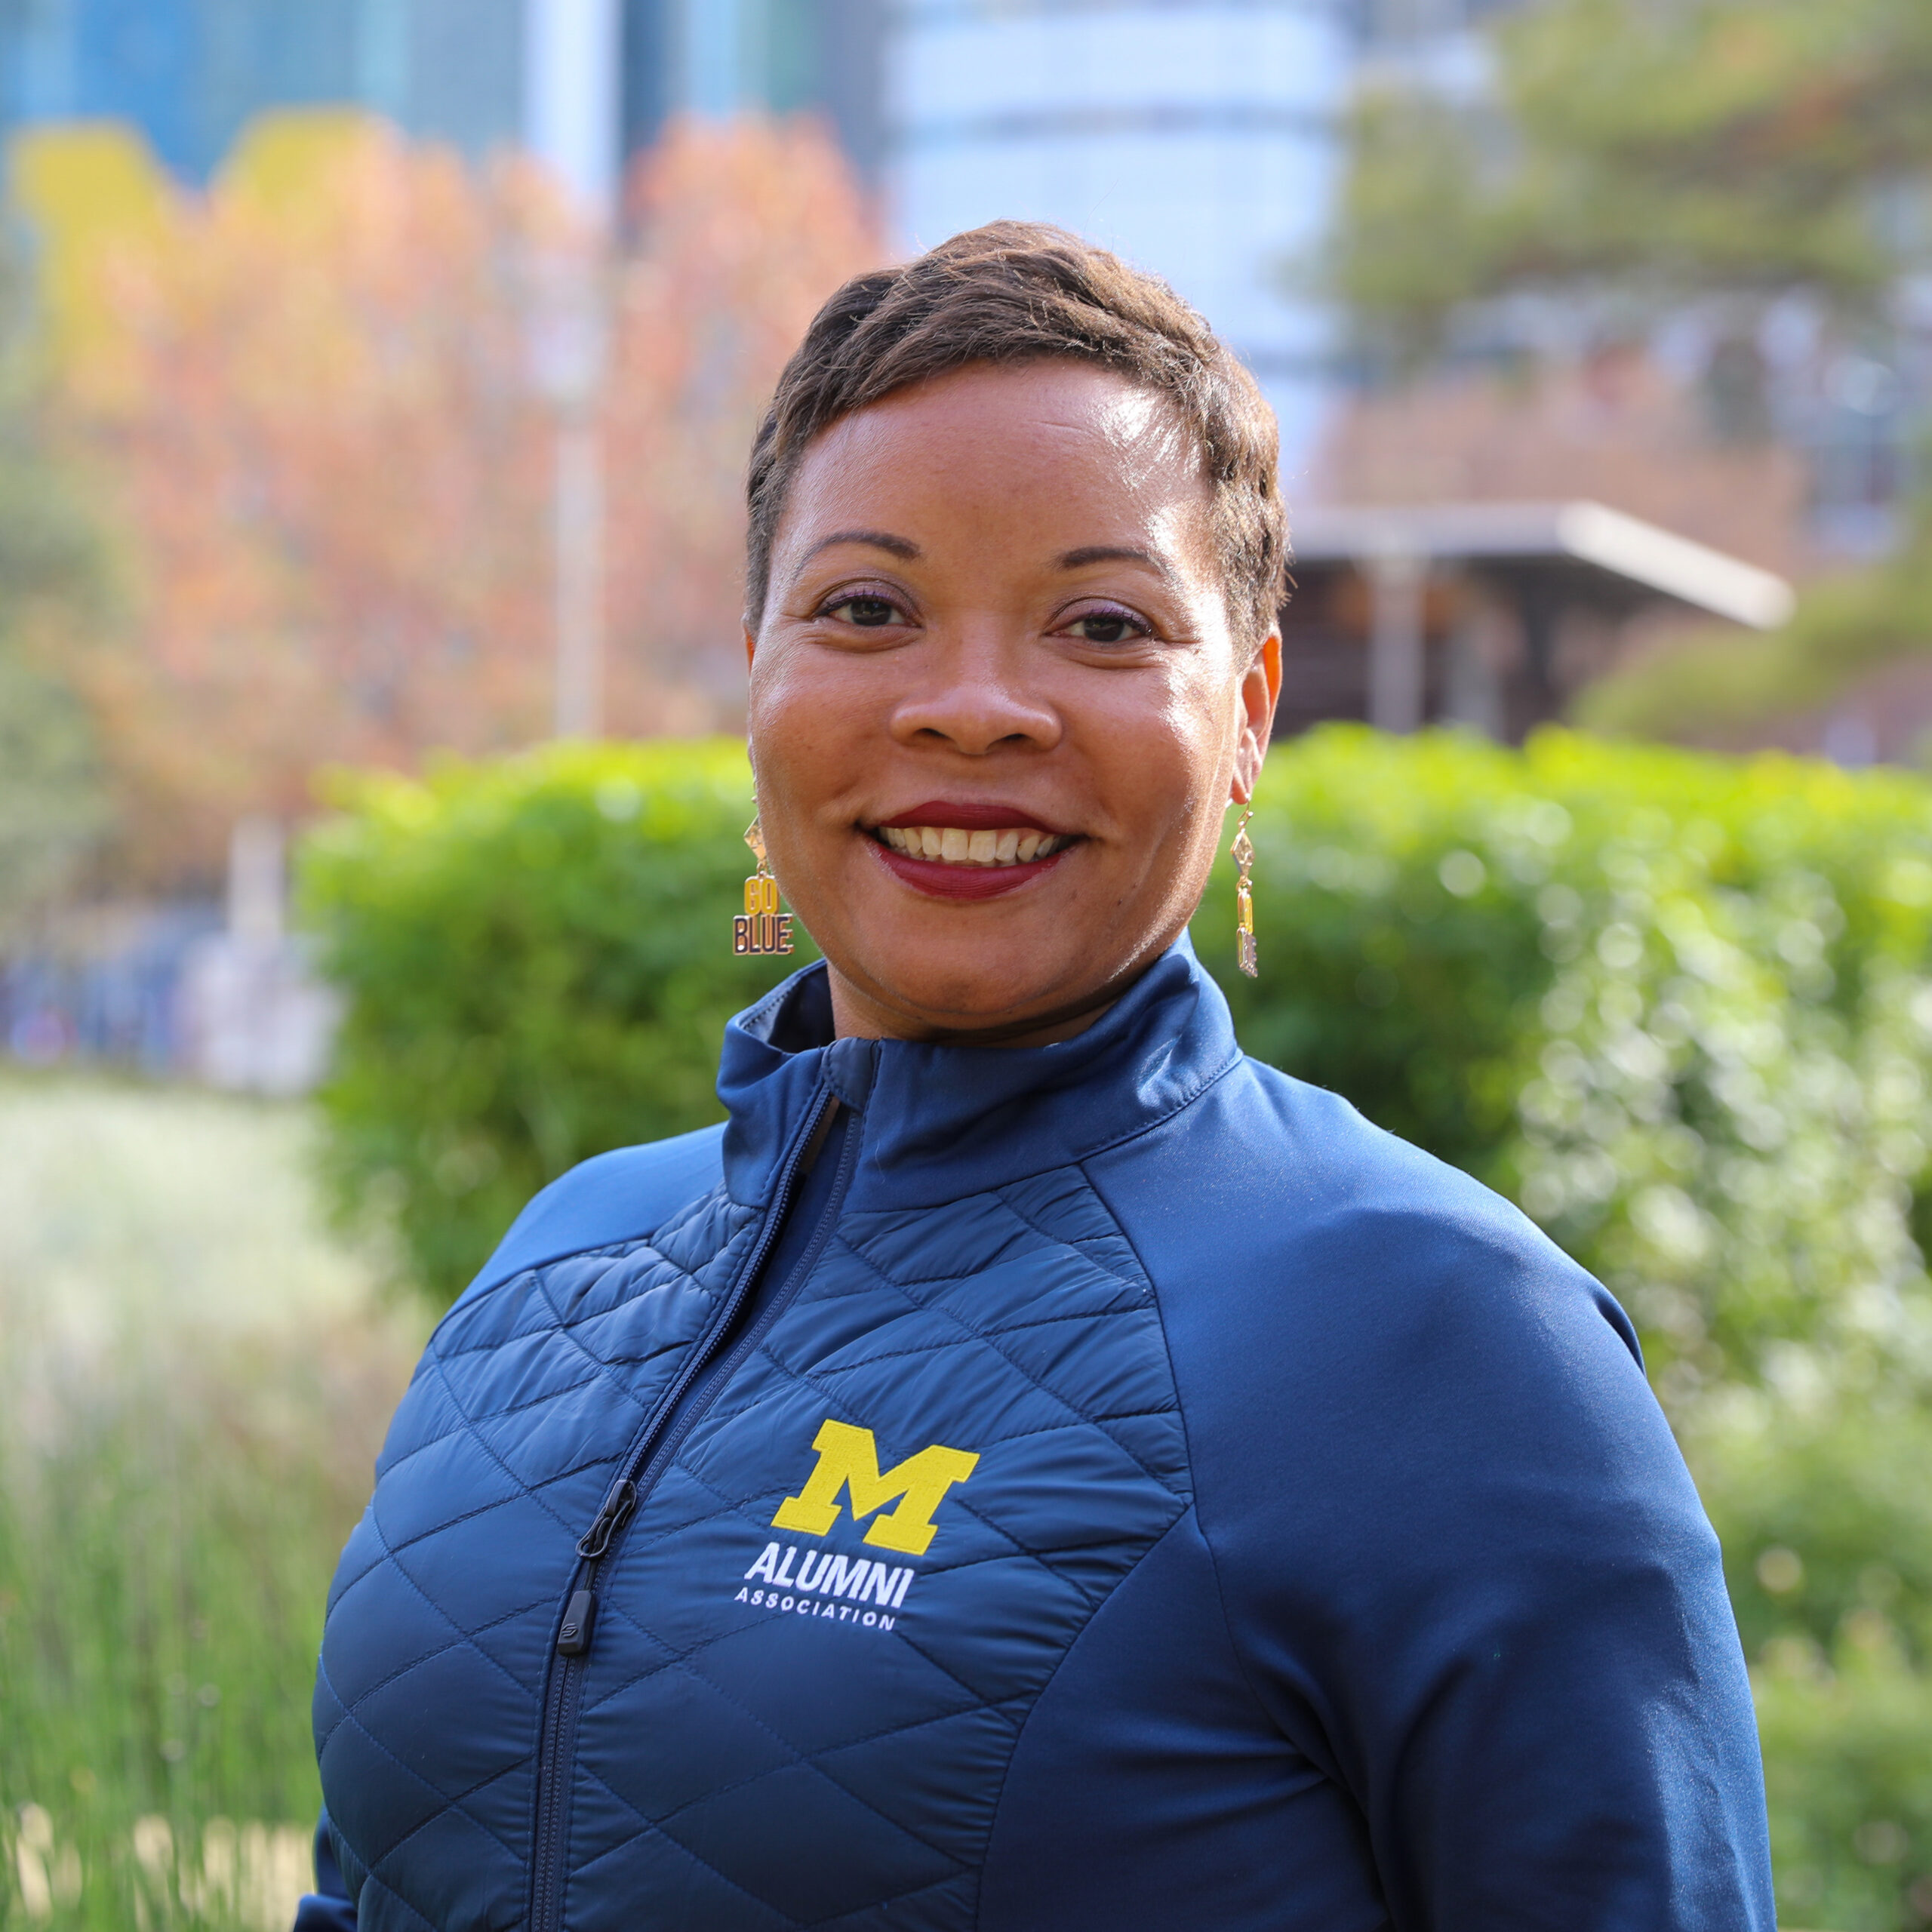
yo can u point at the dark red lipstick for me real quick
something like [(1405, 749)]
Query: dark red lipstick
[(938, 880), (995, 817)]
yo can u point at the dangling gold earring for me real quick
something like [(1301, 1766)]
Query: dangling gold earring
[(1242, 852), (761, 927)]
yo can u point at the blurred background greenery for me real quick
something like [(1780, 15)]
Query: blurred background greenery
[(194, 1378), (1737, 186)]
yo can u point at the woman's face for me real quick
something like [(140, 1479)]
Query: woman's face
[(998, 707)]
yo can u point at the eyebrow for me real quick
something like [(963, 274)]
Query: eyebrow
[(908, 551), (901, 547), (1112, 553)]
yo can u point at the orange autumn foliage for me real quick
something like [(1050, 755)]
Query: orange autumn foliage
[(320, 416), (739, 233)]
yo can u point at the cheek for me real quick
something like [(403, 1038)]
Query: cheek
[(1163, 750), (799, 713)]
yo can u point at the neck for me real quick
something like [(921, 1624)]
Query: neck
[(858, 1014)]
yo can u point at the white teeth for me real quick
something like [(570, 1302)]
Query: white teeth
[(955, 847)]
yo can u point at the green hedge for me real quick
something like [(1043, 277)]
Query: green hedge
[(1677, 1006), (537, 958)]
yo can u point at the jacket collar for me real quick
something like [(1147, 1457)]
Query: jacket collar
[(943, 1122)]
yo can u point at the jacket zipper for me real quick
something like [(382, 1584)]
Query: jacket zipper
[(556, 1738)]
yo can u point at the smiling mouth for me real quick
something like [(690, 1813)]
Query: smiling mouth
[(969, 849), (958, 845)]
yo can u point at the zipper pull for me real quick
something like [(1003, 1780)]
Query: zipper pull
[(579, 1618), (573, 1638), (612, 1518)]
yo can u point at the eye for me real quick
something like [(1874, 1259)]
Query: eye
[(1108, 627), (868, 613)]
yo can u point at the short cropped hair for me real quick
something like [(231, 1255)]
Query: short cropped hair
[(1020, 291)]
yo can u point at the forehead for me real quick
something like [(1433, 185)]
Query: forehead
[(1048, 444)]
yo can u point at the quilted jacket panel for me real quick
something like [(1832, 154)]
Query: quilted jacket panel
[(875, 1749), (445, 1600), (1012, 1324)]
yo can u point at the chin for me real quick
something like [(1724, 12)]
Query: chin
[(990, 987)]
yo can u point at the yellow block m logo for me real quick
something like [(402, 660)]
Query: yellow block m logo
[(848, 1460)]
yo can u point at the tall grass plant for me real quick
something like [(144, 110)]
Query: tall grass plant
[(193, 1382)]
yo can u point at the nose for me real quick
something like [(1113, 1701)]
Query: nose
[(971, 694)]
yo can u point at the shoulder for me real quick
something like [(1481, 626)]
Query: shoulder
[(1322, 1161), (1387, 1370), (1266, 1167), (1353, 1192), (625, 1195), (621, 1229), (1312, 1268)]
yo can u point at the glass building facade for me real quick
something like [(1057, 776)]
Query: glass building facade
[(191, 73), (1198, 137), (782, 57)]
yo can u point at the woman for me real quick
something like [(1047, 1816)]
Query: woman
[(1032, 1467)]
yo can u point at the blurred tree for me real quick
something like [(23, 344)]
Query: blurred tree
[(84, 188), (51, 806), (317, 395), (1633, 156), (1639, 151), (52, 588), (310, 403), (1718, 688), (737, 234)]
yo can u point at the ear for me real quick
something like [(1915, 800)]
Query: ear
[(751, 646), (1261, 686)]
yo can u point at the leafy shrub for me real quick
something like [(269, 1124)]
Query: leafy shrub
[(1820, 1497), (1849, 1780), (537, 958), (1675, 1005)]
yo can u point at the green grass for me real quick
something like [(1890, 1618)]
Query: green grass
[(194, 1379)]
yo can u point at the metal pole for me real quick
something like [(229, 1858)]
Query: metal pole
[(567, 349), (1396, 583), (579, 539)]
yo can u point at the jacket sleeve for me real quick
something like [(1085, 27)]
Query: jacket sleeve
[(1460, 1556), (328, 1908), (1484, 1598)]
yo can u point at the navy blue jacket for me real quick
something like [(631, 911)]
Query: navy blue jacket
[(1140, 1494)]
